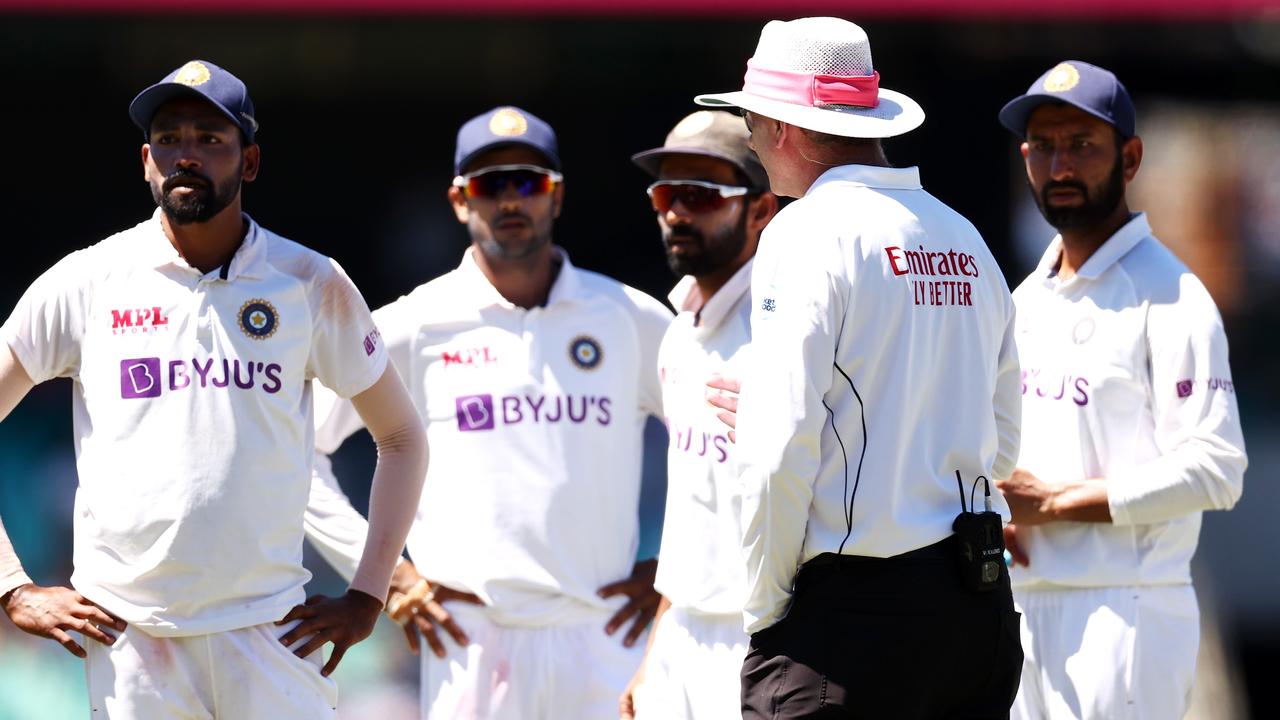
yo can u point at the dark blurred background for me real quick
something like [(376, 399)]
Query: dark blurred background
[(359, 106)]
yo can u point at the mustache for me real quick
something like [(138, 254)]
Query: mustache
[(185, 177), (685, 233), (503, 217), (1064, 185)]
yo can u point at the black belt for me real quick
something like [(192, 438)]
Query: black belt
[(942, 550)]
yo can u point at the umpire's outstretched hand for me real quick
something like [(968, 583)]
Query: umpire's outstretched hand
[(343, 621)]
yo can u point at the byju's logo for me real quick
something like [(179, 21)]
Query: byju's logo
[(149, 377), (475, 412), (140, 378), (480, 412)]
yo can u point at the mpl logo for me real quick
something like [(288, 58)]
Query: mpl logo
[(475, 412), (140, 378), (472, 357), (137, 320)]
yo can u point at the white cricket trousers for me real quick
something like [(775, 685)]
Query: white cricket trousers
[(1116, 653), (243, 674), (568, 671), (694, 668)]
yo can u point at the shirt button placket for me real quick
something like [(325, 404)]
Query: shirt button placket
[(532, 321), (203, 312)]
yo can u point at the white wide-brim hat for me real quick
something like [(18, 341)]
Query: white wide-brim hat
[(816, 73)]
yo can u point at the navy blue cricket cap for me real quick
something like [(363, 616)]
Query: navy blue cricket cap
[(501, 127), (1088, 87), (200, 79)]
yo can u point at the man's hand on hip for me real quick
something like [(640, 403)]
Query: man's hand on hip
[(51, 612), (343, 621), (417, 604), (642, 601)]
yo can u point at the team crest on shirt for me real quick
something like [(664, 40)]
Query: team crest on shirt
[(585, 352), (259, 319)]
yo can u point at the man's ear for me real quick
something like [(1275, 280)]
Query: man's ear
[(557, 200), (1131, 156), (760, 211), (252, 163), (458, 200), (781, 131)]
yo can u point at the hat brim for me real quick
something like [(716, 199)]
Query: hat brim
[(651, 161), (144, 106), (1016, 112), (895, 114)]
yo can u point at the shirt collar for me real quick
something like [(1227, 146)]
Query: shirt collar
[(566, 287), (1116, 247), (250, 259), (685, 297), (885, 178)]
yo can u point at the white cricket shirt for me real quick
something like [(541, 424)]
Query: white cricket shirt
[(535, 421), (1125, 377), (192, 417), (700, 564), (870, 277)]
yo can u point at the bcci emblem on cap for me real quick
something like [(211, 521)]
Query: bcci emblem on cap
[(585, 352), (258, 319)]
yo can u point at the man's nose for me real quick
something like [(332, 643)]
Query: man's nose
[(1061, 164), (188, 153)]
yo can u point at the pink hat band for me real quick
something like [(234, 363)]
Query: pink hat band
[(810, 89)]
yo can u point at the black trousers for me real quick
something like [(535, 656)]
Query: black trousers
[(884, 638)]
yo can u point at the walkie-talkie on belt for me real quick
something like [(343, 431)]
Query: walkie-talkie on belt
[(980, 550)]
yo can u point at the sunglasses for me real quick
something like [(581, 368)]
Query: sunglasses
[(696, 196), (491, 182)]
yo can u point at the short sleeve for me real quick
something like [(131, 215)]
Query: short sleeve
[(45, 329), (348, 353), (652, 320)]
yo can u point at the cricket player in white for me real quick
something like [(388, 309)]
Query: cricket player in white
[(882, 364), (534, 379), (711, 203), (1130, 426), (192, 340)]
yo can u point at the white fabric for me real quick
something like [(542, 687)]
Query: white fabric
[(193, 437), (1126, 378), (531, 496), (1117, 653), (700, 563), (870, 275), (558, 672), (694, 668), (244, 674), (823, 46)]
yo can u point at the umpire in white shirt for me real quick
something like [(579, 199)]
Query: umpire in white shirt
[(1130, 422), (884, 369)]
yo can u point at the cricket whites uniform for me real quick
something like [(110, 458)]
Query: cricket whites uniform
[(535, 419), (1124, 377), (193, 436), (693, 665)]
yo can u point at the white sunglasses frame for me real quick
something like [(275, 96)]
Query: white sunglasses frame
[(726, 191), (461, 181)]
